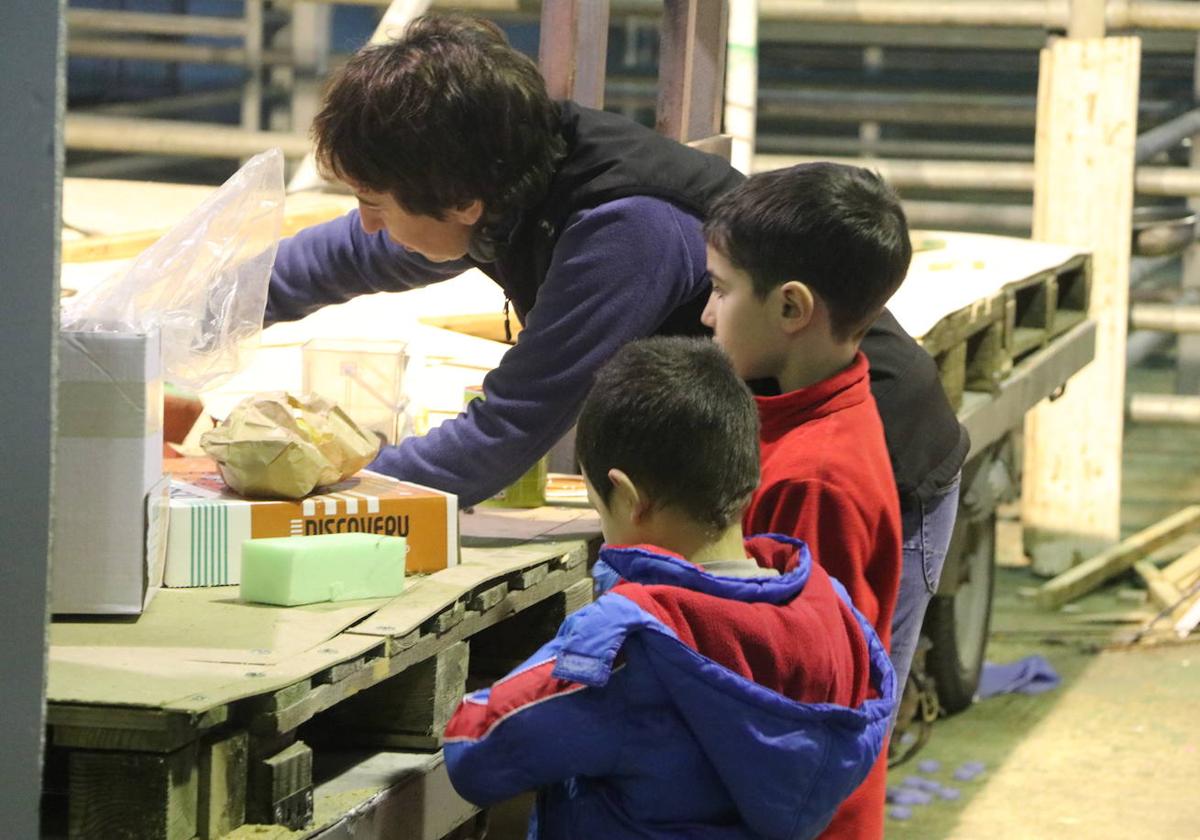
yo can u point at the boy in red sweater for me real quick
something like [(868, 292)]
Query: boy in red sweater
[(802, 261)]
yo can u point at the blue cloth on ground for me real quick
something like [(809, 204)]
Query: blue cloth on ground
[(1031, 675)]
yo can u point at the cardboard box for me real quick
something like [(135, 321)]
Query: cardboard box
[(109, 490), (208, 523)]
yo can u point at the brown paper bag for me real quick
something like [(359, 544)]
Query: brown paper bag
[(280, 446)]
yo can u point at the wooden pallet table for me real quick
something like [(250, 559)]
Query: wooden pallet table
[(980, 304), (198, 717)]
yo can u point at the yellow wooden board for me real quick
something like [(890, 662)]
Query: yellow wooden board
[(213, 625), (156, 678)]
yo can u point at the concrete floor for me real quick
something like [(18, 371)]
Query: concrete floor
[(1114, 752)]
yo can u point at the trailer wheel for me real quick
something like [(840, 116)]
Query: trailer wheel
[(957, 623)]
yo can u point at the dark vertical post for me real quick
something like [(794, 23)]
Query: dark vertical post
[(31, 87)]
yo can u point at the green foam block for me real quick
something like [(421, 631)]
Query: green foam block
[(327, 567)]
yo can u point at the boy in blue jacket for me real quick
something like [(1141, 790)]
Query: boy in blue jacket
[(703, 695)]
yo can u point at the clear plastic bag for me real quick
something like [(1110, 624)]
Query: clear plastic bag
[(203, 284)]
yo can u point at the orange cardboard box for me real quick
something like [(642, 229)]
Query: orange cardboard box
[(207, 523)]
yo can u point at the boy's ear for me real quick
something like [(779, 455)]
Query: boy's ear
[(796, 305), (632, 502)]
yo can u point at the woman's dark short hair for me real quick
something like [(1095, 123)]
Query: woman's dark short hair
[(839, 229), (672, 414), (447, 114)]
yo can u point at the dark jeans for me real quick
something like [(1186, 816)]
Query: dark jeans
[(927, 528)]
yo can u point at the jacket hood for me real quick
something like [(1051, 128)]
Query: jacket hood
[(786, 764)]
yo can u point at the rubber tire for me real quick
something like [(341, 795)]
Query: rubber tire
[(955, 659)]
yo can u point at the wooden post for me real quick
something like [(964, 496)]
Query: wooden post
[(119, 794), (691, 68), (1083, 196), (1086, 19), (572, 49), (222, 798)]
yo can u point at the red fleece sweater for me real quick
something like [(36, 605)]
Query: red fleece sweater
[(827, 479), (825, 658)]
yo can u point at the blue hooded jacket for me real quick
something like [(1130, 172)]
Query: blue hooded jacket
[(628, 732)]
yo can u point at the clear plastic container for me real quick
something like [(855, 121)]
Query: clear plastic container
[(365, 378)]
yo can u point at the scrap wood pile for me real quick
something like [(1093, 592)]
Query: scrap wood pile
[(1166, 556)]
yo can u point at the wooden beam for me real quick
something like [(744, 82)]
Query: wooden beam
[(1091, 573), (1083, 196), (223, 774), (691, 68), (1184, 571), (281, 788), (408, 711), (146, 795), (718, 144), (1163, 593), (573, 48), (1086, 19)]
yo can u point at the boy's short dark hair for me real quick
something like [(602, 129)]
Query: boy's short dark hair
[(838, 229), (447, 114), (674, 416)]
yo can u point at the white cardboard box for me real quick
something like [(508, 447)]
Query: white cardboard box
[(208, 524), (109, 492)]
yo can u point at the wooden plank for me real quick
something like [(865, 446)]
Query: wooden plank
[(952, 370), (281, 788), (1184, 571), (1163, 593), (224, 761), (1083, 195), (143, 795), (528, 578), (1091, 573), (1074, 282), (138, 730), (326, 696), (961, 325), (409, 710), (427, 596), (1033, 306), (485, 599), (720, 145), (989, 358)]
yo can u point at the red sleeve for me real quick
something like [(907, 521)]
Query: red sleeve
[(825, 518)]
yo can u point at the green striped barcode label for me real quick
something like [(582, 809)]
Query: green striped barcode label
[(210, 544)]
